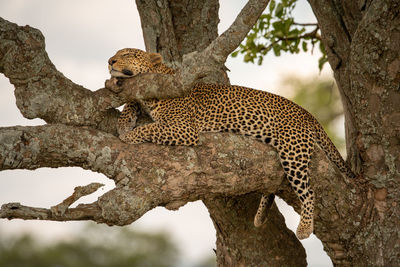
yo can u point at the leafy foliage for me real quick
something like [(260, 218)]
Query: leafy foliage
[(277, 31), (95, 246)]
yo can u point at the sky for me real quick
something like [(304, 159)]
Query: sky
[(80, 37)]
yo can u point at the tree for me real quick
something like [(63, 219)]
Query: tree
[(357, 221), (93, 246)]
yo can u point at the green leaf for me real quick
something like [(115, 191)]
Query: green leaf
[(248, 58), (271, 6), (286, 25), (279, 10), (275, 31), (304, 45), (260, 60), (293, 34), (321, 62), (322, 48), (277, 50), (278, 29)]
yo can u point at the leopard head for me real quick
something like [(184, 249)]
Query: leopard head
[(129, 62)]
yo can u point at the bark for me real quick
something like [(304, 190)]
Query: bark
[(144, 179), (357, 221), (239, 243), (363, 39)]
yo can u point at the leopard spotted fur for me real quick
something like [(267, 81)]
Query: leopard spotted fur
[(270, 118)]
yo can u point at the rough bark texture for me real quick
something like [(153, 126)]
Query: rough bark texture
[(239, 243), (363, 40), (357, 221)]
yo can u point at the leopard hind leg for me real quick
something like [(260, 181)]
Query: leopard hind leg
[(263, 208), (295, 160)]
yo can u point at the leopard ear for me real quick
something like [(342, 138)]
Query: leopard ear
[(155, 58)]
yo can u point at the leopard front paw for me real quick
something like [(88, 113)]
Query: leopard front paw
[(131, 138), (126, 126), (124, 137)]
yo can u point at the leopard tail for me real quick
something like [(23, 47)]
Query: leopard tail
[(331, 151)]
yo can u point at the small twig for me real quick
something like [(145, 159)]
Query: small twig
[(305, 24), (58, 212), (313, 34), (82, 212), (16, 210), (79, 192)]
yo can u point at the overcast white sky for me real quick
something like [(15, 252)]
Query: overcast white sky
[(80, 37)]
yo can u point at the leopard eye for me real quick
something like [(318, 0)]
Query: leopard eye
[(127, 72), (126, 55)]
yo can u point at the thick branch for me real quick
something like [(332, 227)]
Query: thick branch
[(42, 91), (59, 145), (55, 145), (224, 164), (147, 85), (338, 21), (375, 78)]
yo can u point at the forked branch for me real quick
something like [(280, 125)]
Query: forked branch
[(79, 192), (37, 81), (81, 212), (41, 90), (194, 66)]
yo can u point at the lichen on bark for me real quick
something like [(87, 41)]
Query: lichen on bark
[(357, 221)]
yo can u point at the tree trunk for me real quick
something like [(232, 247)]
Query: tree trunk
[(239, 243), (232, 216), (363, 40)]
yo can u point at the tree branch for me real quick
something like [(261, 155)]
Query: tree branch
[(224, 159), (79, 192), (42, 91), (195, 66), (228, 41), (305, 24), (312, 34), (59, 145), (146, 86), (223, 165), (338, 23), (56, 145), (81, 212)]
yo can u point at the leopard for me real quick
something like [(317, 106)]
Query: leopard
[(272, 119)]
